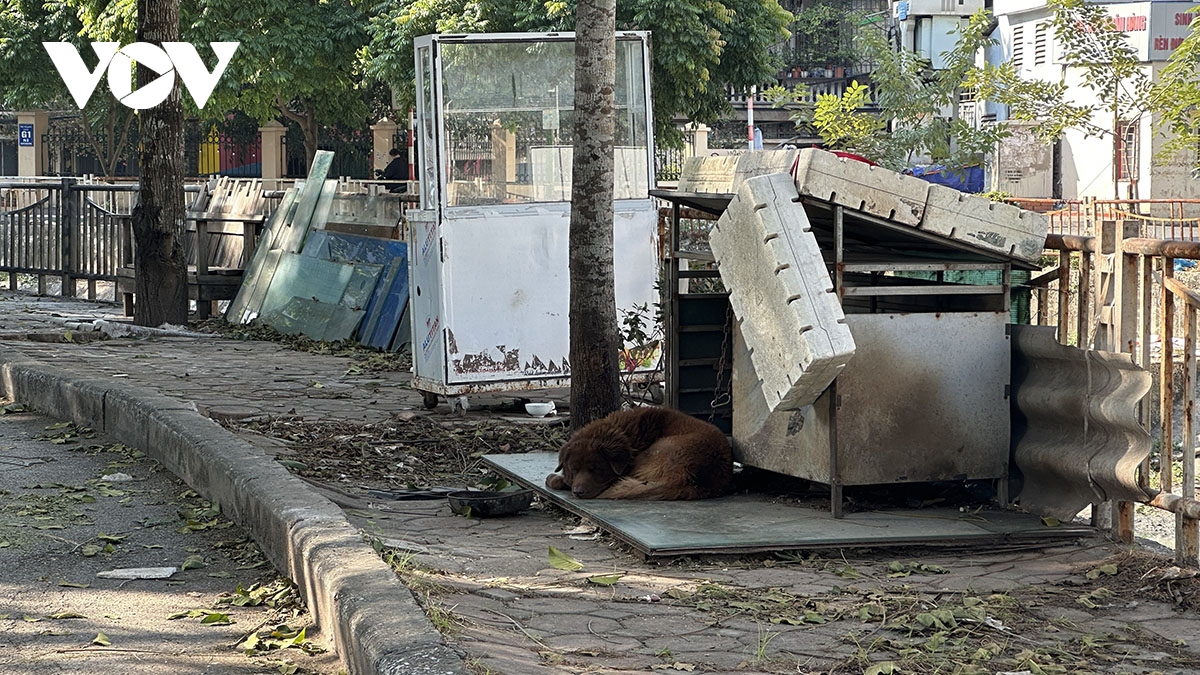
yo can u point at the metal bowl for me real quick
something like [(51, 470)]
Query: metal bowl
[(485, 503)]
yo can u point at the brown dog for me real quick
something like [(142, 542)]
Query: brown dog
[(645, 453)]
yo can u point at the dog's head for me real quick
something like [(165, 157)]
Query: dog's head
[(590, 465)]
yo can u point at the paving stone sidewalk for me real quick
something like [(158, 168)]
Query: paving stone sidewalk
[(488, 585)]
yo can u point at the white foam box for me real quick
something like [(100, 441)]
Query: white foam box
[(986, 224), (708, 174), (762, 163), (781, 292), (860, 186)]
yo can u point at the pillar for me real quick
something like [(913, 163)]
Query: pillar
[(273, 159), (698, 147), (383, 137), (31, 150), (504, 160)]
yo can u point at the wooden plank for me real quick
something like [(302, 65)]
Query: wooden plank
[(1192, 298), (1166, 363), (1187, 534)]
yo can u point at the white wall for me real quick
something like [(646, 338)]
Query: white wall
[(1087, 161)]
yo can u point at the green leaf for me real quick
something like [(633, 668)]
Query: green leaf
[(193, 562), (562, 561), (102, 640), (1049, 521), (250, 644), (111, 538), (605, 579), (217, 618), (885, 668), (66, 615), (71, 584)]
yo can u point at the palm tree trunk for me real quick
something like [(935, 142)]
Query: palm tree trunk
[(594, 342)]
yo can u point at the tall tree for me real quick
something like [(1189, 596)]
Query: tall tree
[(27, 78), (161, 284), (1106, 65), (594, 343), (702, 48), (907, 112), (297, 60)]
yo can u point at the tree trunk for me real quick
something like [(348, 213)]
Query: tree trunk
[(161, 280), (310, 130), (312, 135), (595, 344)]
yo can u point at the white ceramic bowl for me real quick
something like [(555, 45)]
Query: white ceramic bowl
[(539, 409)]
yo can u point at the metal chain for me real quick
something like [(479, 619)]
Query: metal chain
[(720, 397)]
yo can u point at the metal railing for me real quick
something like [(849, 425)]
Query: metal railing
[(1175, 219), (77, 230), (65, 228), (1110, 291)]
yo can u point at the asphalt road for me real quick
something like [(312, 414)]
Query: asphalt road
[(67, 514)]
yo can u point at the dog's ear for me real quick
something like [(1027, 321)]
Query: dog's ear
[(620, 459), (559, 468)]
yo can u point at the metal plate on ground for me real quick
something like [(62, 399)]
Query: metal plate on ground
[(758, 522)]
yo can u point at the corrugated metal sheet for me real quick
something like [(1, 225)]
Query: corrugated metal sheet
[(1076, 435)]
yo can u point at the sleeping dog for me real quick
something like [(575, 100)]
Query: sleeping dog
[(645, 453)]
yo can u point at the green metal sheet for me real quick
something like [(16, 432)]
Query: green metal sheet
[(300, 276), (311, 195), (261, 266), (361, 285), (318, 320), (757, 522), (248, 303)]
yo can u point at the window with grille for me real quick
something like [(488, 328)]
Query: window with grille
[(1040, 44), (1018, 47), (1125, 152)]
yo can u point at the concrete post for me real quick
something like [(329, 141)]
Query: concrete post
[(31, 151), (273, 156), (699, 144), (504, 160), (383, 138)]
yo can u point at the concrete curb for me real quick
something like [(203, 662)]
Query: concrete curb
[(375, 623)]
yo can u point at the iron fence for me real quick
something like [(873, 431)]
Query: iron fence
[(352, 151), (72, 230)]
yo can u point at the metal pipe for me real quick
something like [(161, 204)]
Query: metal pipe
[(1070, 242), (1163, 247), (1188, 508)]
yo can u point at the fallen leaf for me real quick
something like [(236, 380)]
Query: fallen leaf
[(102, 640), (66, 615), (72, 584), (1107, 570), (685, 667), (605, 579), (562, 561), (885, 668), (217, 618), (193, 562), (1050, 522)]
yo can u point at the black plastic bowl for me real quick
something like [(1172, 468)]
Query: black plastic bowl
[(484, 503)]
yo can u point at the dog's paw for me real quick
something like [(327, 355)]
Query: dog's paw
[(557, 482)]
